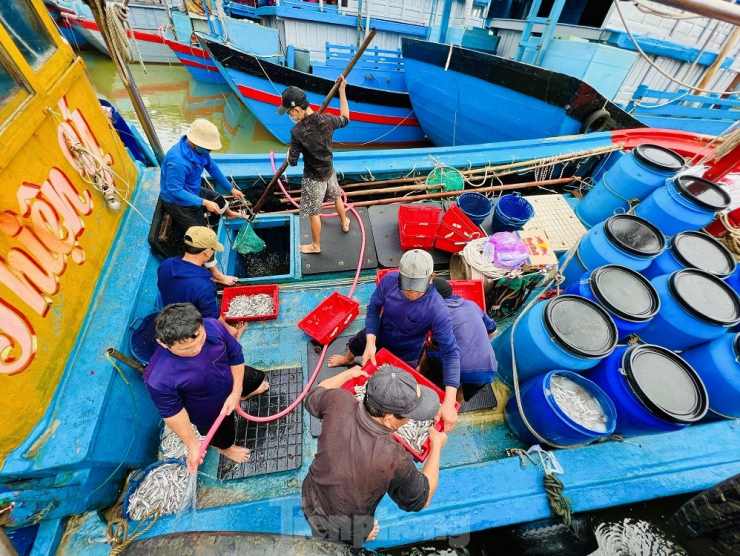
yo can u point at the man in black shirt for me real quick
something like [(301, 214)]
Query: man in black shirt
[(312, 136), (358, 461)]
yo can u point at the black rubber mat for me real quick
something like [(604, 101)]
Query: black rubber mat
[(484, 399), (338, 346), (339, 251), (384, 219), (275, 446)]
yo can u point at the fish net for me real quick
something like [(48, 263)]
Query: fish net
[(247, 241)]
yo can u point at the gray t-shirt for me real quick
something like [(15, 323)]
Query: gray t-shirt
[(356, 463), (313, 137)]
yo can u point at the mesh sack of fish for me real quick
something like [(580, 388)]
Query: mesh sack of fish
[(161, 490), (578, 404), (251, 306)]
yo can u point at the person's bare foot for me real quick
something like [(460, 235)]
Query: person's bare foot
[(222, 278), (310, 249), (232, 214), (236, 453), (345, 225), (374, 532), (240, 328), (261, 389), (341, 360)]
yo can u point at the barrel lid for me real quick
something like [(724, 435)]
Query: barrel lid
[(704, 296), (703, 193), (624, 292), (665, 384), (580, 326), (659, 158), (736, 345), (702, 251), (634, 235)]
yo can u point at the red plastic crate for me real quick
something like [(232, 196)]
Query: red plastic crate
[(452, 240), (417, 226), (382, 272), (470, 289), (459, 221), (330, 318), (232, 292), (386, 357)]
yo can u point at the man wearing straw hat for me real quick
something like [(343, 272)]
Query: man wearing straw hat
[(180, 184)]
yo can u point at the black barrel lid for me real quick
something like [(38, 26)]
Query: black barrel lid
[(704, 296), (625, 292), (634, 235), (702, 251), (580, 326), (736, 345), (659, 158), (703, 193), (665, 384)]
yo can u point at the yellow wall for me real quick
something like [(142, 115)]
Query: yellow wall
[(55, 233)]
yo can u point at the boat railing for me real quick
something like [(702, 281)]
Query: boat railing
[(374, 58), (682, 104)]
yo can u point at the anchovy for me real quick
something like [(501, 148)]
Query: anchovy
[(578, 404), (415, 433), (251, 305), (162, 489)]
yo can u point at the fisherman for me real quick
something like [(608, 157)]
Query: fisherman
[(312, 136), (197, 373), (186, 278), (180, 183), (473, 330), (411, 307), (358, 461)]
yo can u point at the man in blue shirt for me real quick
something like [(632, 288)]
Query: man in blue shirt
[(180, 183), (473, 330), (183, 279), (197, 373), (411, 307)]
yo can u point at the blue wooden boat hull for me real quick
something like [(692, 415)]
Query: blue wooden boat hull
[(466, 97), (378, 117), (196, 61)]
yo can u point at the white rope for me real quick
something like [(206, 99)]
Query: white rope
[(473, 255), (655, 66), (678, 15)]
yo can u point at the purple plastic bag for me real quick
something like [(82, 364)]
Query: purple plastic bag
[(505, 250)]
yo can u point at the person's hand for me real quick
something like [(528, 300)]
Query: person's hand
[(374, 532), (355, 372), (342, 83), (448, 414), (231, 402), (237, 193), (369, 354), (437, 439), (211, 206), (194, 458)]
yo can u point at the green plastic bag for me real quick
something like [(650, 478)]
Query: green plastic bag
[(247, 241)]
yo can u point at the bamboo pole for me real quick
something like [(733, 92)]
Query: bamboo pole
[(712, 70), (446, 194)]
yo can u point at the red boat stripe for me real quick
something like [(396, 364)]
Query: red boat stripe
[(268, 98), (197, 64), (191, 50), (138, 35)]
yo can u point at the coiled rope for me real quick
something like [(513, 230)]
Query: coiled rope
[(122, 41)]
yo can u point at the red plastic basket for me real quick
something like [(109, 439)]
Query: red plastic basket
[(386, 357), (382, 272), (470, 289), (455, 230), (330, 318), (417, 226), (232, 292)]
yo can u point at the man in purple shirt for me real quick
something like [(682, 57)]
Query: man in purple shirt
[(197, 373)]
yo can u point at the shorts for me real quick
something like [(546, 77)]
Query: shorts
[(186, 216), (431, 367), (225, 435), (314, 193)]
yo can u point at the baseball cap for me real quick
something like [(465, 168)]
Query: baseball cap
[(204, 134), (202, 237), (443, 287), (394, 390), (415, 270), (292, 96)]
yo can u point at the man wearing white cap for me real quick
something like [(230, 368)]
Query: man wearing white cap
[(180, 184), (402, 310)]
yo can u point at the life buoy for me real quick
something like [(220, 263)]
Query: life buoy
[(597, 121)]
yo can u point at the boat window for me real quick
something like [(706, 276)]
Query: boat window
[(586, 13), (27, 31), (12, 93)]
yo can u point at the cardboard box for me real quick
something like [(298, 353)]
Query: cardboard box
[(541, 253)]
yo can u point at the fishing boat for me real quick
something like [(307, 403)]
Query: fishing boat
[(378, 117)]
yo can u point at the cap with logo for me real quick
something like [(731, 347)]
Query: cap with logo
[(415, 271), (292, 96), (202, 237), (204, 134), (394, 390)]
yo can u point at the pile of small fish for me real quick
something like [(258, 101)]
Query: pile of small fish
[(415, 433), (251, 306), (360, 392), (161, 491), (171, 446), (578, 404), (258, 264)]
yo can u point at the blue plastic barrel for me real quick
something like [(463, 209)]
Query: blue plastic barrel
[(511, 213), (475, 206), (693, 250), (547, 418), (566, 332), (653, 389), (635, 176), (623, 239), (684, 203), (695, 307), (718, 364), (628, 297)]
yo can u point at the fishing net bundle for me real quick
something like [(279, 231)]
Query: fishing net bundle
[(247, 241)]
